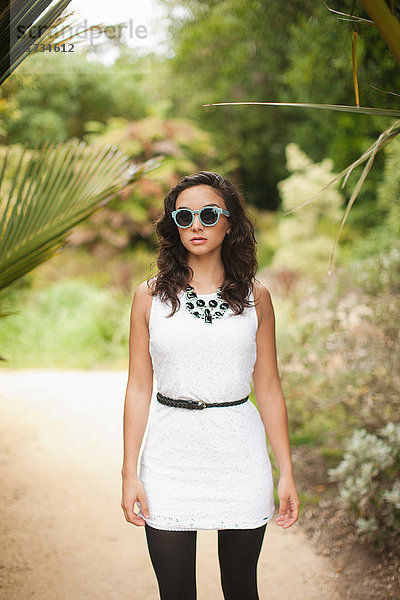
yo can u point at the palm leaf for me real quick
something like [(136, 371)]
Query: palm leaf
[(21, 30), (18, 16), (55, 187), (23, 16)]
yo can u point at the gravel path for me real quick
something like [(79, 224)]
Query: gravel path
[(63, 533)]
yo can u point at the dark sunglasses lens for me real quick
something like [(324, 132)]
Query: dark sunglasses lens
[(184, 217), (209, 216)]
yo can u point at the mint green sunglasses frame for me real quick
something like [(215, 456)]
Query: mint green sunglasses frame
[(217, 209)]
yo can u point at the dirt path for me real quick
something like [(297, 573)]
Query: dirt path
[(63, 534)]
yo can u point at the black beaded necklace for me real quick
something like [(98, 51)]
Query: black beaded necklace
[(202, 310)]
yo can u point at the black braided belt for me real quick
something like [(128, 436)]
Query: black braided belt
[(195, 404)]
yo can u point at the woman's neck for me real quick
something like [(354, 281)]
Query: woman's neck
[(206, 285), (208, 276)]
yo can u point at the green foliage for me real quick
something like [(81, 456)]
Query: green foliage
[(51, 97), (129, 218), (307, 235), (319, 70), (388, 191), (369, 481), (266, 233), (237, 50), (222, 53), (68, 324)]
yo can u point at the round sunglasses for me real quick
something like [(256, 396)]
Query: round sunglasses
[(208, 215)]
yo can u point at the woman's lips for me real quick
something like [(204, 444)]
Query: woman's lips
[(198, 240)]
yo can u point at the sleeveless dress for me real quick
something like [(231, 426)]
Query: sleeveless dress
[(210, 468)]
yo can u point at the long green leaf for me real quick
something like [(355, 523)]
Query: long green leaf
[(339, 107)]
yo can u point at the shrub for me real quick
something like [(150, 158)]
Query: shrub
[(369, 481)]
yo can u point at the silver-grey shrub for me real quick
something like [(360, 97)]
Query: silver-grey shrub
[(369, 480)]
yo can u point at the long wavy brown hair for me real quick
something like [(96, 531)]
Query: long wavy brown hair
[(238, 250)]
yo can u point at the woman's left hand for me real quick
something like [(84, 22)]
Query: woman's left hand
[(289, 502)]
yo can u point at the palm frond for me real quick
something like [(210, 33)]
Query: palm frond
[(54, 188), (23, 28), (16, 22)]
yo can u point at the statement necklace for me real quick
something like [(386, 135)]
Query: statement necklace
[(213, 309)]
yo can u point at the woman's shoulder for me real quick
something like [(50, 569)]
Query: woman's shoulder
[(142, 298), (262, 299), (260, 291), (144, 288)]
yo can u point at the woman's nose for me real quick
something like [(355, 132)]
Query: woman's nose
[(196, 222)]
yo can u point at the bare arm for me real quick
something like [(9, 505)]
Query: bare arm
[(272, 408), (140, 382)]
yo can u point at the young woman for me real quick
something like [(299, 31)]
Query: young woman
[(206, 328)]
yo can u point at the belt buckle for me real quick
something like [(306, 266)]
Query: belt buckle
[(196, 404)]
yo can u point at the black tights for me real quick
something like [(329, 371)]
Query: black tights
[(173, 556)]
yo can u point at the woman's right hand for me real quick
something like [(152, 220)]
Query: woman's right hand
[(133, 491)]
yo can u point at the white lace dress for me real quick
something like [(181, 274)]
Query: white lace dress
[(210, 468)]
